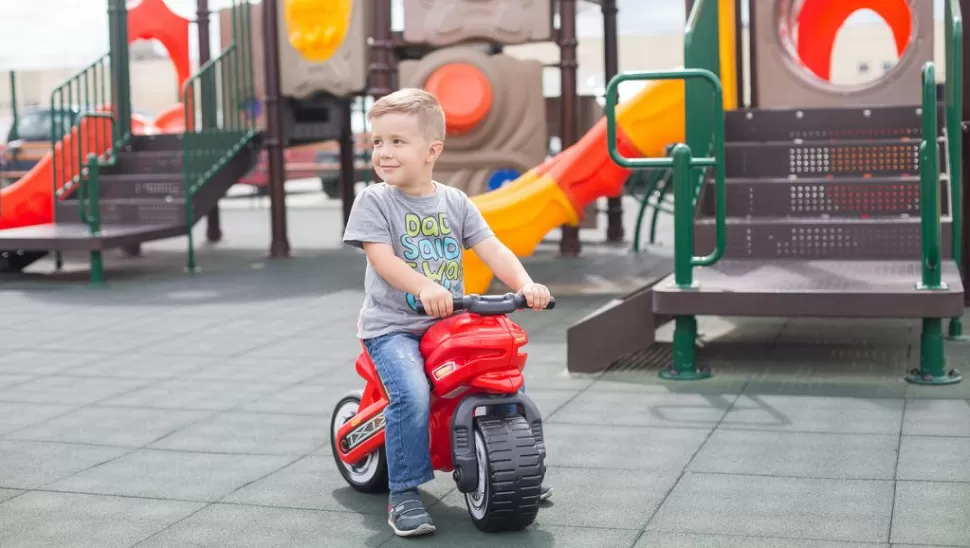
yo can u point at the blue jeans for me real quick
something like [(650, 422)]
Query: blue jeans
[(407, 439)]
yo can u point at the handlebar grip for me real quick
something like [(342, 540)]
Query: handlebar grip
[(457, 303), (489, 305)]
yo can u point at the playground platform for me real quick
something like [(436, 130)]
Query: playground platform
[(172, 410)]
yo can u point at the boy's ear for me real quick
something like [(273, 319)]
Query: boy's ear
[(435, 150)]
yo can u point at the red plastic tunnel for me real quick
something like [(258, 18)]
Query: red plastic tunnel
[(820, 20)]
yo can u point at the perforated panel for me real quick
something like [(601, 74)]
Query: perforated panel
[(888, 133), (853, 159), (833, 239), (847, 158), (129, 212), (815, 197)]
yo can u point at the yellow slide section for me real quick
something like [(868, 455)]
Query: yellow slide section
[(523, 212), (317, 28)]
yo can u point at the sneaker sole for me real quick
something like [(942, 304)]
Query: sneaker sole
[(546, 495), (423, 529)]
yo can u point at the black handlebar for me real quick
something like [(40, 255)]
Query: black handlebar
[(490, 305)]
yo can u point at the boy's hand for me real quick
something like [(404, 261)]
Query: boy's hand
[(537, 295), (437, 300)]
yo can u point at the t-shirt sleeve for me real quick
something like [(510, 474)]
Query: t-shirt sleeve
[(367, 223), (474, 229)]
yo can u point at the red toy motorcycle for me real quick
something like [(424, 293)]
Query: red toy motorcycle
[(474, 363)]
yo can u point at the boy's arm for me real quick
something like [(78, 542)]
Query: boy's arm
[(393, 269), (437, 300), (500, 259), (507, 267)]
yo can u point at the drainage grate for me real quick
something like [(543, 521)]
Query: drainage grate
[(654, 358)]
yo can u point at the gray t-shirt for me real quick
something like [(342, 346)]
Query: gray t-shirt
[(428, 233)]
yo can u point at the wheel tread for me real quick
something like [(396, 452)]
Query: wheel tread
[(516, 473)]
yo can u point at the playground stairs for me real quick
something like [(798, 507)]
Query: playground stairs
[(142, 198), (822, 220), (142, 187)]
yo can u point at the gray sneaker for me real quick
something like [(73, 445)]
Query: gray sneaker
[(409, 519)]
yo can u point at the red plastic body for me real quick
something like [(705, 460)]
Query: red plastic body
[(464, 354)]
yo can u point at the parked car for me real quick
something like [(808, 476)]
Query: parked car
[(30, 140)]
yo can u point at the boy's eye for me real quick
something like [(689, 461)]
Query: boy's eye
[(398, 141)]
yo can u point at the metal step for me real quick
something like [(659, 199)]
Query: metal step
[(884, 157), (146, 186), (147, 162), (847, 123), (622, 326), (815, 196), (798, 288), (158, 142), (130, 211), (77, 236), (816, 238)]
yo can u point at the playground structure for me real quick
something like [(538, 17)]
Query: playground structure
[(825, 203), (149, 185), (812, 207)]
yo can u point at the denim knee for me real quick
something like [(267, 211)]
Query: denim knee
[(397, 358)]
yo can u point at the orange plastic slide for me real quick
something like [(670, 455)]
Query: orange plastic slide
[(29, 201), (522, 212)]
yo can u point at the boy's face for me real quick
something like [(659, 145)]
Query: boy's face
[(403, 155)]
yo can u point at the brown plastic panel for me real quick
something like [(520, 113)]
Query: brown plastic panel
[(449, 22), (513, 135), (849, 289), (782, 82)]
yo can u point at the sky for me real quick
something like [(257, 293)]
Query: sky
[(38, 34)]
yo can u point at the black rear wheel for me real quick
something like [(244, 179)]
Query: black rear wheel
[(510, 474)]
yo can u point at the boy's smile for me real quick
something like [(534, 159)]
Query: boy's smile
[(403, 155)]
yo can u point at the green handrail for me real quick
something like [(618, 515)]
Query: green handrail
[(682, 163), (656, 181), (929, 169), (222, 86), (88, 188), (86, 91), (953, 98)]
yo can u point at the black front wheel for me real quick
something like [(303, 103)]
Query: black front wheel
[(510, 474)]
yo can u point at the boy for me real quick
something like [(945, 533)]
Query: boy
[(413, 230)]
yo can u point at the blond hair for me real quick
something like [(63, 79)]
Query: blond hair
[(413, 102)]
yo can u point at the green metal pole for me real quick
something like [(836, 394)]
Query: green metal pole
[(125, 69), (932, 369), (953, 23), (683, 217), (684, 365), (931, 276), (13, 105), (94, 192)]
